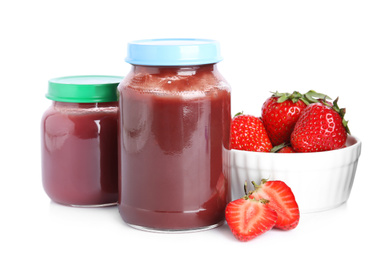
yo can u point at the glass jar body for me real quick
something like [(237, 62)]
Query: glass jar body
[(79, 153), (174, 127)]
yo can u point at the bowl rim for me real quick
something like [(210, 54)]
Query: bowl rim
[(351, 138)]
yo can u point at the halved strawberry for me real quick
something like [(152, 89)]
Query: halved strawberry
[(281, 199), (249, 218)]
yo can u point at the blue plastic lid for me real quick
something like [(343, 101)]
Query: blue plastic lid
[(173, 52)]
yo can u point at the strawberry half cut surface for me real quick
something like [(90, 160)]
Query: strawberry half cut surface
[(281, 199), (249, 218)]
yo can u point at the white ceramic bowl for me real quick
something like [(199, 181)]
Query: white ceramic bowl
[(319, 181)]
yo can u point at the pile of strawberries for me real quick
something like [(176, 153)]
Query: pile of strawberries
[(292, 123)]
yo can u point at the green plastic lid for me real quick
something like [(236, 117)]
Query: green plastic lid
[(84, 89)]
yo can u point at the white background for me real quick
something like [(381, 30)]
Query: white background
[(336, 47)]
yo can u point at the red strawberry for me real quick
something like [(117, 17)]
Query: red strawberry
[(249, 218), (286, 149), (281, 199), (248, 133), (321, 127), (279, 115), (281, 111)]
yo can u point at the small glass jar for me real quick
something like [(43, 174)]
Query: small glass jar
[(79, 141), (174, 117)]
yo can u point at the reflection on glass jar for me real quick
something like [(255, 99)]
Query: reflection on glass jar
[(174, 127), (79, 141)]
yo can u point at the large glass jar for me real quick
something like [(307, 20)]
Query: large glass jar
[(174, 120), (79, 141)]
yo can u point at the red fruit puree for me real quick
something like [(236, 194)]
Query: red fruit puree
[(174, 147), (79, 153)]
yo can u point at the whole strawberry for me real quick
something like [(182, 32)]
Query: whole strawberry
[(281, 111), (320, 127), (249, 134)]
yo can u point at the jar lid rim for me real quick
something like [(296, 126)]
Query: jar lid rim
[(84, 88), (173, 52)]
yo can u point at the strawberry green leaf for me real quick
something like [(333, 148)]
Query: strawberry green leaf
[(276, 148), (238, 114), (283, 98), (317, 95)]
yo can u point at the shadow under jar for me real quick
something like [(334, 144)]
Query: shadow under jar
[(79, 141), (174, 120)]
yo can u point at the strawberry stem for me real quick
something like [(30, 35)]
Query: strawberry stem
[(256, 186), (238, 114), (276, 148)]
